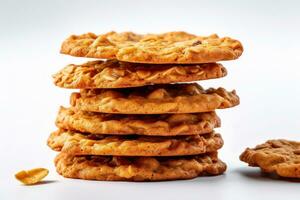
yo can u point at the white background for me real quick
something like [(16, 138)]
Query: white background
[(266, 77)]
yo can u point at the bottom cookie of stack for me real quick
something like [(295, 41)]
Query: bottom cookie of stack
[(115, 168)]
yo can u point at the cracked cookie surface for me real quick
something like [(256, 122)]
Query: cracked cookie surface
[(113, 168), (275, 156), (133, 145), (156, 99), (116, 74), (120, 124), (170, 47)]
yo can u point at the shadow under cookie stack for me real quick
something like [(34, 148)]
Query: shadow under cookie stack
[(134, 119)]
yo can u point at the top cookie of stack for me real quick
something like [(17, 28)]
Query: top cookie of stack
[(171, 47), (138, 76)]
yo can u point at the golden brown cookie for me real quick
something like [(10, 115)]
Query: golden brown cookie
[(133, 145), (155, 99), (170, 47), (120, 124), (113, 168), (275, 156), (116, 74)]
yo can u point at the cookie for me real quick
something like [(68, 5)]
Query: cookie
[(116, 74), (133, 145), (114, 168), (120, 124), (156, 99), (275, 156), (170, 47)]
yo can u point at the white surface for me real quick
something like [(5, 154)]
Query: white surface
[(266, 77)]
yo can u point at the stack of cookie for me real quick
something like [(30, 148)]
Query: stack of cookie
[(132, 119)]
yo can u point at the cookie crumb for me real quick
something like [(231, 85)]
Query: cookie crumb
[(32, 176)]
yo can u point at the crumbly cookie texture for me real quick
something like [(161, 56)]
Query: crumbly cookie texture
[(156, 99), (275, 156), (108, 168), (116, 74), (89, 144), (170, 47), (120, 124)]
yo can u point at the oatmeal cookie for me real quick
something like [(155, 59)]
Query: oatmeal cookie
[(116, 74), (114, 168), (133, 145), (156, 99), (170, 47), (120, 124), (275, 156)]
